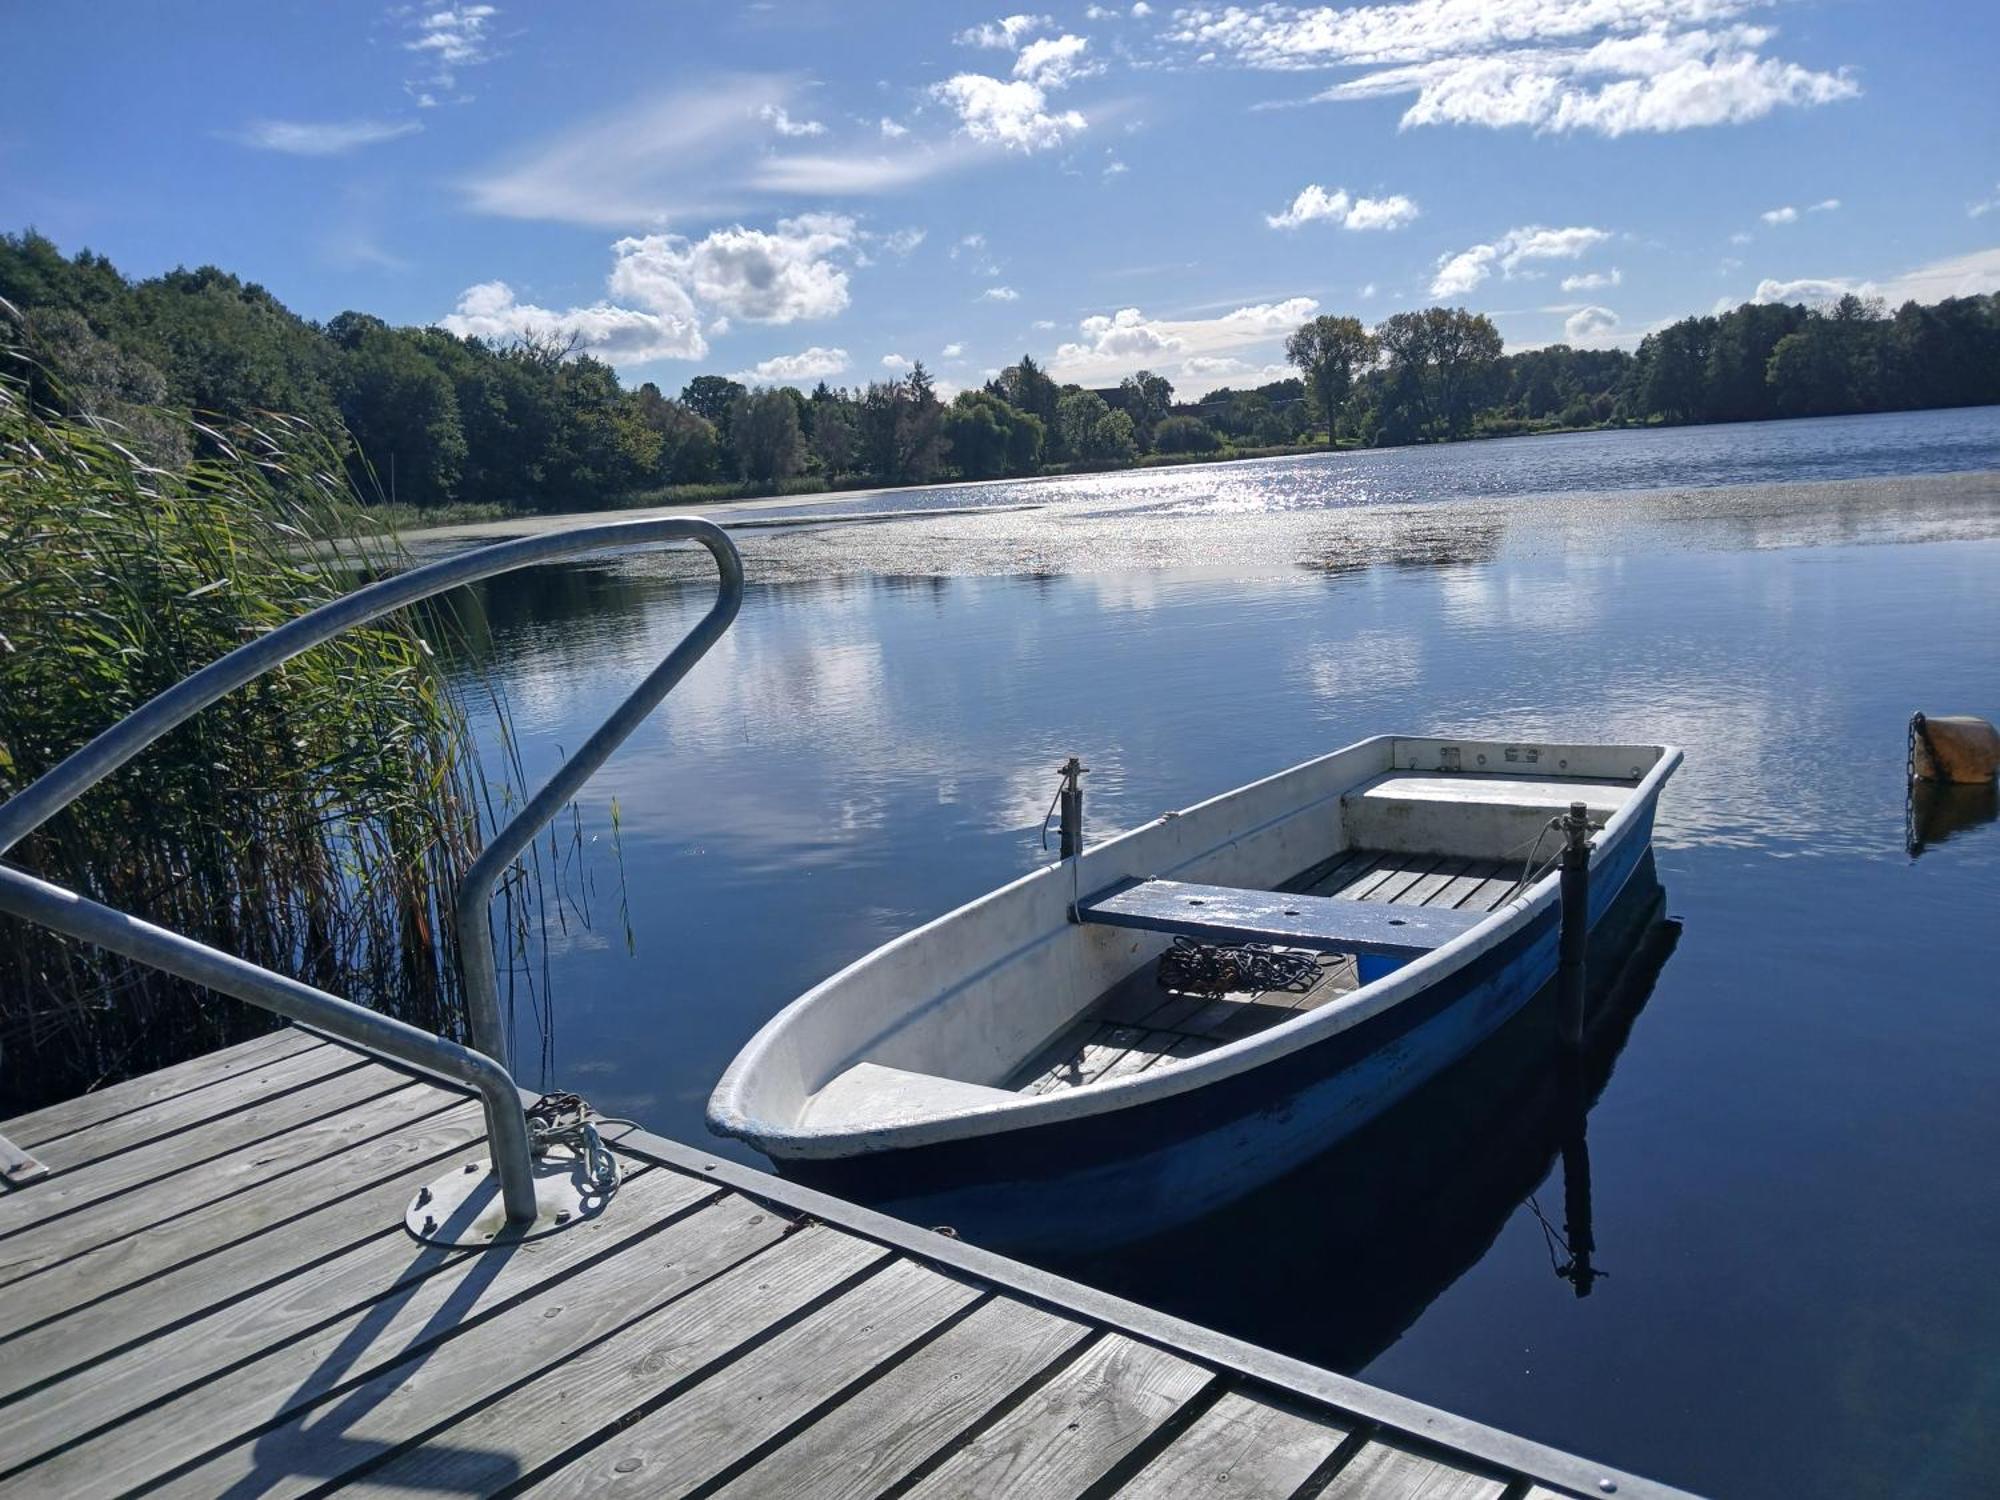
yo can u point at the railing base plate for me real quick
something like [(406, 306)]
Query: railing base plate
[(462, 1208)]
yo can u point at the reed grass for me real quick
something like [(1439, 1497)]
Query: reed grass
[(314, 822)]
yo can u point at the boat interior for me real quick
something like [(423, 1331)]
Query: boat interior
[(1421, 850)]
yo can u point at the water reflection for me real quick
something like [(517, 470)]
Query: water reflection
[(1363, 1239), (1939, 811)]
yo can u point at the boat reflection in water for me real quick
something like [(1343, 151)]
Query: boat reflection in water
[(1387, 1220), (1937, 810)]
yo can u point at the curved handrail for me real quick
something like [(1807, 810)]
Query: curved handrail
[(23, 895)]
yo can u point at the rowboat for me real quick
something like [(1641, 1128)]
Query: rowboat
[(1329, 938)]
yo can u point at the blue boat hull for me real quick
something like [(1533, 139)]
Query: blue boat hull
[(1128, 1173)]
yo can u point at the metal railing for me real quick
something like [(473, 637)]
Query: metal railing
[(483, 1068)]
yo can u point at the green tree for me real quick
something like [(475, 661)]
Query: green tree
[(1077, 414), (1146, 398), (401, 411), (1328, 351), (1184, 435), (1438, 362), (764, 429), (977, 428)]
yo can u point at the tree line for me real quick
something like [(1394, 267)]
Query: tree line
[(431, 418)]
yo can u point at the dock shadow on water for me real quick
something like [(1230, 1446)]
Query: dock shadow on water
[(1365, 1237)]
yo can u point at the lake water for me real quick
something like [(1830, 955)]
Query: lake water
[(1790, 1160)]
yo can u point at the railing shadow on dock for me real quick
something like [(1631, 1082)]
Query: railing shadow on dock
[(1358, 1242)]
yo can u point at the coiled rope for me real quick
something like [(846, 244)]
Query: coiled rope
[(1223, 968)]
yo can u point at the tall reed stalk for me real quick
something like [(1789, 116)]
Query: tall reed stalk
[(314, 822)]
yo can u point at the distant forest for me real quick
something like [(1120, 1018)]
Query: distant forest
[(432, 419)]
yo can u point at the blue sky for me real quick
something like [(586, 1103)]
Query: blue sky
[(807, 189)]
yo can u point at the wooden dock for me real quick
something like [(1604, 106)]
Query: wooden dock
[(213, 1293)]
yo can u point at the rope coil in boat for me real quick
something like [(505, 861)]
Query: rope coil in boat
[(1224, 968)]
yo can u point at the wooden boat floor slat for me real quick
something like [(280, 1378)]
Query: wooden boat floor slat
[(1137, 1025), (716, 1330)]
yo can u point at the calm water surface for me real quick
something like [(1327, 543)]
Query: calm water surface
[(1790, 1160)]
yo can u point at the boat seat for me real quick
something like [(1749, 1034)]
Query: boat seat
[(1474, 815), (1228, 914)]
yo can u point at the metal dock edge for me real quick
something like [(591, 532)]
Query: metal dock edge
[(212, 1291)]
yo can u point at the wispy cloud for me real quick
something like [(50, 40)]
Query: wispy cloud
[(999, 294), (1315, 204), (322, 137), (1984, 206), (1592, 281), (449, 38), (808, 364), (1197, 352), (1971, 275), (1008, 32), (1609, 66), (1459, 273), (780, 120), (1785, 215)]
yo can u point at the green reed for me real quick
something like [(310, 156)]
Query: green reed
[(314, 822)]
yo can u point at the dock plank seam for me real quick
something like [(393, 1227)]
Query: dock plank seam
[(818, 1413), (1156, 1442), (995, 1415), (686, 1381)]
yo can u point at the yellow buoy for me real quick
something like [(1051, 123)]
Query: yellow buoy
[(1953, 748)]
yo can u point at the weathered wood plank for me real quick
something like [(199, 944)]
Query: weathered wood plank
[(229, 1136), (229, 1335), (1477, 873), (126, 1239), (1445, 871), (1386, 1470), (1069, 1433), (203, 1108), (91, 1322), (1308, 882), (1386, 868), (590, 1378), (1351, 871), (726, 1417), (881, 1433), (1243, 1445), (55, 1120), (1415, 868), (498, 1310)]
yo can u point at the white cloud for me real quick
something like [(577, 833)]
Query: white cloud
[(891, 130), (808, 364), (1590, 324), (1824, 206), (1051, 62), (1043, 324), (1971, 275), (1005, 33), (1099, 13), (1741, 237), (780, 120), (1785, 215), (448, 38), (1368, 292), (952, 351), (701, 153), (322, 137), (1985, 206), (1611, 66), (1460, 273), (780, 275), (1812, 289), (1315, 202), (999, 294), (901, 242), (1591, 281), (622, 335), (1115, 168), (895, 362), (1109, 346), (1010, 114), (1140, 9)]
